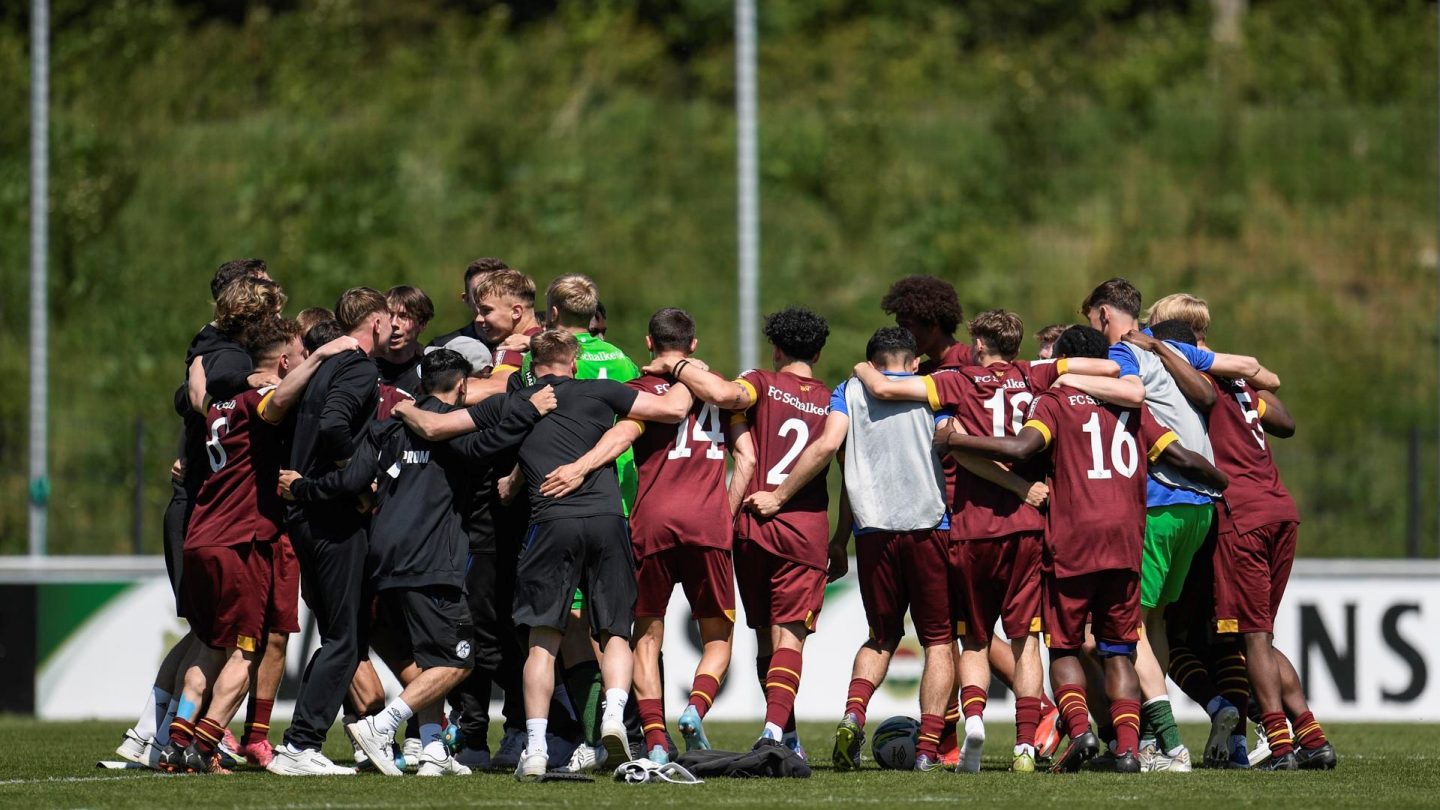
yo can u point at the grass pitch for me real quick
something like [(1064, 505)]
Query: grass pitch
[(53, 765)]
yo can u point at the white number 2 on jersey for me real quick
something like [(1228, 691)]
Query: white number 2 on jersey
[(776, 476), (213, 449), (1124, 455), (706, 429)]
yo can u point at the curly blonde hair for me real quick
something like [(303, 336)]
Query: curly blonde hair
[(245, 301)]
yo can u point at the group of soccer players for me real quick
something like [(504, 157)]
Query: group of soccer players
[(514, 504)]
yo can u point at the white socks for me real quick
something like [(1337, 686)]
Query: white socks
[(615, 700), (773, 731), (157, 704), (388, 721), (535, 736), (975, 728)]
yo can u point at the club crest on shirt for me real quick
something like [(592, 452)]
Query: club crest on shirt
[(462, 649)]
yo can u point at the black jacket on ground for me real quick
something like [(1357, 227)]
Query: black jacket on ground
[(417, 535)]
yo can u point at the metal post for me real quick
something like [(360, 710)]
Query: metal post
[(137, 526), (748, 183), (39, 304)]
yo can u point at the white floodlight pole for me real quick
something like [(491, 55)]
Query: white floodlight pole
[(748, 183), (39, 299)]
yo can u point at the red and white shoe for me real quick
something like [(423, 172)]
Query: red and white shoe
[(1047, 734), (950, 751)]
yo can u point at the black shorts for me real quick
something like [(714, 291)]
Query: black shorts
[(430, 623), (592, 554)]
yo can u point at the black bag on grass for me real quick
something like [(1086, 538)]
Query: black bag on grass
[(768, 758)]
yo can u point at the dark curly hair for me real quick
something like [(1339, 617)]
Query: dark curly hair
[(1082, 341), (797, 332), (924, 300)]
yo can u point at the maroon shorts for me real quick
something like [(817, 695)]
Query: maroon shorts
[(1251, 572), (706, 573), (997, 580), (1109, 601), (775, 590), (227, 591), (283, 612), (900, 571)]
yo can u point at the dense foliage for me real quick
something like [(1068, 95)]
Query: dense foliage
[(1284, 168)]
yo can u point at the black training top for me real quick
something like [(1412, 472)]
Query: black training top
[(417, 536), (338, 403), (486, 510), (227, 373), (586, 409), (405, 376)]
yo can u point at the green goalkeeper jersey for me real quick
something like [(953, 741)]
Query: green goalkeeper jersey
[(599, 360)]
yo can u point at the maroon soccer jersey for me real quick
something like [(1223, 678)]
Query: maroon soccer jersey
[(1098, 463), (1256, 495), (954, 357), (987, 401), (1041, 374), (513, 359), (788, 413), (390, 396), (238, 501), (680, 496)]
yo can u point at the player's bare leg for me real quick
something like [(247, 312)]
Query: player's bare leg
[(538, 680), (366, 694), (1168, 753), (230, 688), (1122, 689), (269, 669), (716, 636), (974, 692), (422, 698), (1002, 661), (872, 663), (937, 682), (782, 681), (202, 665), (617, 672), (1068, 681), (649, 694)]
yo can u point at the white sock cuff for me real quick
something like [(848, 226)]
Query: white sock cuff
[(615, 700), (535, 734), (1161, 699)]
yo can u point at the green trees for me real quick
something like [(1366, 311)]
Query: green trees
[(1022, 150)]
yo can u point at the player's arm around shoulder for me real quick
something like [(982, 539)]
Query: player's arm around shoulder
[(292, 387), (668, 408), (567, 478), (1275, 418), (911, 389), (1128, 391), (695, 375)]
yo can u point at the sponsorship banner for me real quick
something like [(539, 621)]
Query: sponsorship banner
[(1360, 633)]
